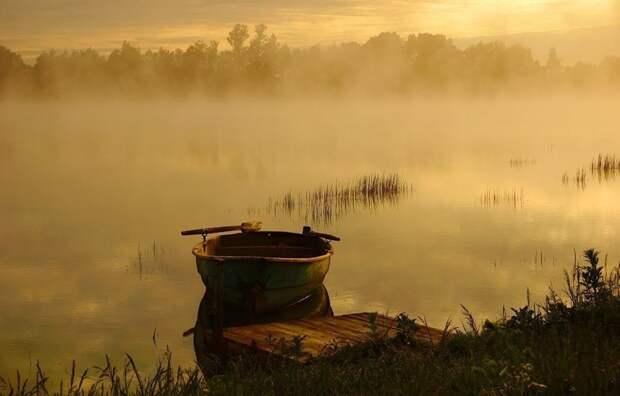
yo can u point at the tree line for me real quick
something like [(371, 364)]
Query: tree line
[(256, 62)]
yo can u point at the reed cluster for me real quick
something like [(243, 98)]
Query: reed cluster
[(579, 180), (518, 162), (608, 163), (330, 202), (149, 260), (605, 167), (514, 198), (602, 168)]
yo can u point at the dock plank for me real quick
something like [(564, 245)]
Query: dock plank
[(318, 333), (380, 320), (340, 329)]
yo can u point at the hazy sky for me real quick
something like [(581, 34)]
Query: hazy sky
[(42, 24)]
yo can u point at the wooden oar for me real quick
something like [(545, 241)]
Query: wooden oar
[(243, 227), (308, 231)]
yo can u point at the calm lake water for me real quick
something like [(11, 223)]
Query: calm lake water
[(91, 190)]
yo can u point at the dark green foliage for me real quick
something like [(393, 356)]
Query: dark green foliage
[(12, 69), (592, 279), (291, 349), (406, 327)]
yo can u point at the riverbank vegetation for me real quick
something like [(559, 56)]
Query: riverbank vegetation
[(258, 63), (568, 344)]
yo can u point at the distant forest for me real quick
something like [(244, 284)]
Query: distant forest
[(257, 63)]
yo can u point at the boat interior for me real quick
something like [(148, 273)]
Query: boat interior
[(267, 244)]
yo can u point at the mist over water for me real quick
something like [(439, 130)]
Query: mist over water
[(91, 188)]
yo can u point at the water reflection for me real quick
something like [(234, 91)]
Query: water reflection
[(315, 304), (85, 184)]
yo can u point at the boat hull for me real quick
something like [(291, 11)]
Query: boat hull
[(264, 284)]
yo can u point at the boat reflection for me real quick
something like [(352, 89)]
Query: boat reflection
[(314, 305)]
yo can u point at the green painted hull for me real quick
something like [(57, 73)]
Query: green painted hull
[(265, 284), (275, 284)]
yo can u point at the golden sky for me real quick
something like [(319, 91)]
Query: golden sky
[(44, 24)]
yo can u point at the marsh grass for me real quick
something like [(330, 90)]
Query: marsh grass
[(495, 198), (111, 380), (567, 344), (329, 202), (580, 179), (603, 168), (519, 162), (149, 260)]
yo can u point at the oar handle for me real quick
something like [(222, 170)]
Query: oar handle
[(243, 227), (308, 231)]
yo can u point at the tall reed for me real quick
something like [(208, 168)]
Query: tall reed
[(329, 202)]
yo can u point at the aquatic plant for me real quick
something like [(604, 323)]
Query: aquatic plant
[(149, 260), (605, 163), (519, 162), (329, 202), (603, 168), (493, 198)]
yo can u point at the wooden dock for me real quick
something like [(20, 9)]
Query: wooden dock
[(317, 335)]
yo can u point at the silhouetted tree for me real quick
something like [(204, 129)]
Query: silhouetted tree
[(47, 72), (262, 56), (199, 62), (385, 63), (237, 38), (553, 60), (125, 66), (12, 69), (582, 75), (611, 69), (435, 61), (489, 65), (164, 68)]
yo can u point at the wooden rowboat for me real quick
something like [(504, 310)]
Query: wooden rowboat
[(262, 271)]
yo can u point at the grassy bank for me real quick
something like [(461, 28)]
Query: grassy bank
[(569, 344)]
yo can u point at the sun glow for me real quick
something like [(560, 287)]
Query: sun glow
[(24, 26)]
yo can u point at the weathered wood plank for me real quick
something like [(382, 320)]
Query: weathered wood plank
[(318, 333), (338, 326), (311, 334), (381, 320)]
